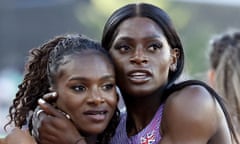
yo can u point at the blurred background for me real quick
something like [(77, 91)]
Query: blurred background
[(25, 24)]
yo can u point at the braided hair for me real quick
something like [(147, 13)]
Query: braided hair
[(40, 73)]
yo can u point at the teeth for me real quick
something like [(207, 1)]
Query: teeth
[(138, 74), (99, 112)]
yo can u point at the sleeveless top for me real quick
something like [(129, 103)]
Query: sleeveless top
[(149, 135)]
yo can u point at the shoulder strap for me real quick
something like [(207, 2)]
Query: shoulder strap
[(181, 85)]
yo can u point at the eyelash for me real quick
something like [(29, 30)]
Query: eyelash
[(107, 87), (156, 45), (122, 48), (125, 48), (81, 88)]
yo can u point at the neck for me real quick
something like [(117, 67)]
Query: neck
[(91, 139), (141, 110)]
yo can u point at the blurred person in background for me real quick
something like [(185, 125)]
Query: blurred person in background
[(224, 72)]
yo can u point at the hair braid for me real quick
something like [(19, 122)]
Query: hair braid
[(35, 84)]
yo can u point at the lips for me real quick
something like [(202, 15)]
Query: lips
[(96, 115), (139, 76)]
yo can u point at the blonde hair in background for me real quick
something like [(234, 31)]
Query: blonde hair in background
[(227, 73)]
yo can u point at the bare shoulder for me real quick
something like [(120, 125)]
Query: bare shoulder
[(192, 103), (18, 136), (194, 97), (192, 115), (3, 141)]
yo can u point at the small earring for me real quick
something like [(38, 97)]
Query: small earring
[(173, 67)]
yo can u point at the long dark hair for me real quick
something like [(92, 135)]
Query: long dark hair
[(161, 18), (40, 72)]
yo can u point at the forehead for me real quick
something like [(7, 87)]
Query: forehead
[(85, 62), (139, 27)]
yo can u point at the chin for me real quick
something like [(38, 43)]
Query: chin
[(141, 91), (94, 129)]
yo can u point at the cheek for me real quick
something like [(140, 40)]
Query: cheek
[(161, 67), (112, 100), (62, 103), (117, 59), (66, 102)]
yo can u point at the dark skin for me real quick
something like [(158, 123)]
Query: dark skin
[(194, 119), (190, 116), (143, 59), (144, 50), (87, 94)]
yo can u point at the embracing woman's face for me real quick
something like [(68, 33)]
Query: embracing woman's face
[(86, 91), (142, 56)]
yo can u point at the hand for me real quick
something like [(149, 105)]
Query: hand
[(56, 128), (39, 114)]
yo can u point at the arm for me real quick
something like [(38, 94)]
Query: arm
[(192, 116)]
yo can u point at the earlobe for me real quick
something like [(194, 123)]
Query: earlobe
[(173, 67), (174, 58)]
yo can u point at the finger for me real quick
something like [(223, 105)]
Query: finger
[(38, 115), (49, 109), (49, 131), (50, 97)]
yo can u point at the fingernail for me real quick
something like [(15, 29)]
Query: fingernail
[(54, 94), (41, 101)]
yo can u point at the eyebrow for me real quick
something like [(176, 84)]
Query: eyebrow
[(127, 38), (86, 79)]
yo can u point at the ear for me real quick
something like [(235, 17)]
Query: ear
[(175, 53), (211, 77)]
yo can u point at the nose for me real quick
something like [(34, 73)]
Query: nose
[(139, 57), (95, 98)]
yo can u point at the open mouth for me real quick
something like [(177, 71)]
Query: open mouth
[(139, 76), (96, 115)]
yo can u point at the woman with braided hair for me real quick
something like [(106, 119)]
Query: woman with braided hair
[(81, 74), (224, 74)]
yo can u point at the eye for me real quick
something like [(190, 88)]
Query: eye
[(123, 48), (155, 46), (107, 87), (79, 88)]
